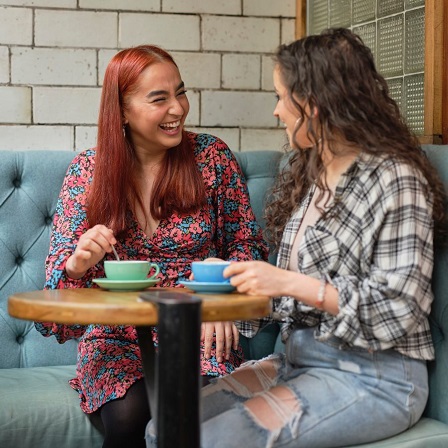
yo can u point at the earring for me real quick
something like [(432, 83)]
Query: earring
[(300, 119), (124, 131)]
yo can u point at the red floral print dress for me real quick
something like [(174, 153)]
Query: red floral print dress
[(109, 356)]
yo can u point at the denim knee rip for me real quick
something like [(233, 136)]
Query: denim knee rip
[(270, 408), (250, 379), (274, 411)]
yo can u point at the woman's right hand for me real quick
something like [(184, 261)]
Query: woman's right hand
[(91, 248)]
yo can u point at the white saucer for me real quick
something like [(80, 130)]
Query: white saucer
[(208, 287), (125, 285)]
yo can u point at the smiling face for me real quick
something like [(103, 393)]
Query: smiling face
[(289, 115), (155, 112)]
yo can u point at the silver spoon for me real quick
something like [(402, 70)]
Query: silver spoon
[(115, 252)]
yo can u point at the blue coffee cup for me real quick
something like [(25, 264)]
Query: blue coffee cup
[(209, 271)]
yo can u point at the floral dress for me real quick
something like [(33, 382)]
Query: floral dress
[(109, 356)]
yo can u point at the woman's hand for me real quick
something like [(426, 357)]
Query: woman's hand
[(227, 337), (257, 277), (91, 248)]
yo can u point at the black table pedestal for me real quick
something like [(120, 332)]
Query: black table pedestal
[(173, 390)]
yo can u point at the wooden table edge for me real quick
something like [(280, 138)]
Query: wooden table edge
[(124, 308)]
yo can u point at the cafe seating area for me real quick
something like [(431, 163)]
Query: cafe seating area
[(37, 406)]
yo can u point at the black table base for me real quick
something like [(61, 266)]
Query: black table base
[(172, 375)]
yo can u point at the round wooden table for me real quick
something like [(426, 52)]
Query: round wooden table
[(94, 305), (172, 376)]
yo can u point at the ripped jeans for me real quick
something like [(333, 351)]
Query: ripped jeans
[(315, 395)]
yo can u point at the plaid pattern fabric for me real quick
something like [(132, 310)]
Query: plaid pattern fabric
[(377, 252)]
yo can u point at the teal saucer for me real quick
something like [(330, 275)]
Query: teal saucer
[(125, 285), (208, 287)]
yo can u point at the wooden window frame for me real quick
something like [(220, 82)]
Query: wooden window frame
[(436, 67)]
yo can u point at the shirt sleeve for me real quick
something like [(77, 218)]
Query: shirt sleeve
[(394, 298), (69, 224)]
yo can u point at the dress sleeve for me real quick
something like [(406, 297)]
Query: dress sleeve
[(238, 235), (395, 297), (69, 224)]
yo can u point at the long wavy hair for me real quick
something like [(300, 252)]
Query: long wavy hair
[(114, 192), (335, 73)]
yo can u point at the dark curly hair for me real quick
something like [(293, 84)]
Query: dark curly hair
[(335, 73)]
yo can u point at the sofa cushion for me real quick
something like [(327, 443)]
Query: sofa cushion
[(29, 186), (52, 418), (427, 433)]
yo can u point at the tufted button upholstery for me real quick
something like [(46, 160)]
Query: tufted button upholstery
[(438, 370), (29, 187)]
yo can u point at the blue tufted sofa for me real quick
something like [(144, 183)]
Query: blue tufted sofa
[(37, 407)]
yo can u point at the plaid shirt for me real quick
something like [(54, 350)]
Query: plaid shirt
[(377, 252)]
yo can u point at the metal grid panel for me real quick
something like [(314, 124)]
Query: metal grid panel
[(317, 16), (414, 3), (368, 35), (363, 10), (396, 90), (390, 46), (340, 13), (388, 7), (414, 51), (413, 102)]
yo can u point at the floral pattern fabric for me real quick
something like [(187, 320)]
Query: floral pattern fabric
[(109, 356)]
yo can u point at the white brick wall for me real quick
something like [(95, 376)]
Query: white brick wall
[(53, 66), (15, 103), (240, 34), (83, 29), (66, 105), (53, 54), (4, 65), (170, 31), (16, 26), (128, 5)]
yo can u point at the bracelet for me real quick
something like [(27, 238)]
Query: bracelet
[(321, 294)]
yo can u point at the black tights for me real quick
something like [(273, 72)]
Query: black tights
[(124, 420)]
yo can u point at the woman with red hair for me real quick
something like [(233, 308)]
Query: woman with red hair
[(156, 192)]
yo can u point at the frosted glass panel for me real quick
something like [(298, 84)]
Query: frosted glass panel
[(317, 15), (368, 35), (340, 13), (363, 10), (390, 46), (414, 3), (388, 7), (414, 54), (413, 102), (396, 90), (394, 30)]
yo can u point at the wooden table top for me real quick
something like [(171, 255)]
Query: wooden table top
[(93, 305)]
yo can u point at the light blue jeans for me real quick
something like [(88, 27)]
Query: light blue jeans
[(315, 395)]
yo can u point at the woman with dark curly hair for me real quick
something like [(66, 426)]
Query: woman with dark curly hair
[(353, 216)]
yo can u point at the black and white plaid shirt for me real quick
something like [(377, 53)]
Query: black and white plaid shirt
[(377, 252)]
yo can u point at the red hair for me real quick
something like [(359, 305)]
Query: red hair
[(114, 190)]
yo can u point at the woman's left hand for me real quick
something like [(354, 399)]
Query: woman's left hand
[(227, 337)]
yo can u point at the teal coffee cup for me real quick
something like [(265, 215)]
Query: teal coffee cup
[(130, 269)]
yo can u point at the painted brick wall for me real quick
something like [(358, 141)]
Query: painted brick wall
[(53, 54)]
